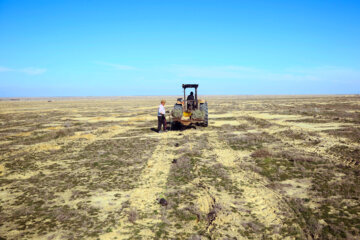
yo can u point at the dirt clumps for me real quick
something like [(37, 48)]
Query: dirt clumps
[(163, 202)]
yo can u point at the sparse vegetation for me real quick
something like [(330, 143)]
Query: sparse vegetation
[(265, 168), (132, 215)]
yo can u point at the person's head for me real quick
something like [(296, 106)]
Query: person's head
[(191, 93), (163, 102)]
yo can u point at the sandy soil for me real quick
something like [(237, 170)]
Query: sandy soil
[(280, 167)]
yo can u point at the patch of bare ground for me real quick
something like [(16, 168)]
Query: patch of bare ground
[(144, 216), (257, 211)]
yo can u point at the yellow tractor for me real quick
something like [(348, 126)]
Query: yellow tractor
[(190, 110)]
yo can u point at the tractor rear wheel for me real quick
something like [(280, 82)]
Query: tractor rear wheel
[(177, 111), (176, 125), (204, 108)]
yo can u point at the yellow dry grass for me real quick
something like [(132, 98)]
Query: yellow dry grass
[(266, 167)]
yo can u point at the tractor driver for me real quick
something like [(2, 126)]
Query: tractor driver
[(190, 100)]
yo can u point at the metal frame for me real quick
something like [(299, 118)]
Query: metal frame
[(185, 86)]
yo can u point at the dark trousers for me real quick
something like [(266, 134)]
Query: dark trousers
[(161, 121)]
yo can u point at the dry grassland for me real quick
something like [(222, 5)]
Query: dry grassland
[(265, 168)]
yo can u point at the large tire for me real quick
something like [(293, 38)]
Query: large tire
[(178, 106), (176, 125), (204, 108)]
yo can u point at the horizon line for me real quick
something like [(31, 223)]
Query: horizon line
[(210, 95)]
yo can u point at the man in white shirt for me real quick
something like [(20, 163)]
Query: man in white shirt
[(161, 116)]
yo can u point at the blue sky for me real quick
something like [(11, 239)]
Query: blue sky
[(113, 48)]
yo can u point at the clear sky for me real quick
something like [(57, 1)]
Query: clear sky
[(113, 48)]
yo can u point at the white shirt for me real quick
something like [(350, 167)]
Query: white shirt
[(161, 110)]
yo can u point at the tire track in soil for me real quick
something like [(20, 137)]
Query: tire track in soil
[(143, 199), (257, 203)]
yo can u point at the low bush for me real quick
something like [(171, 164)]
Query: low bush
[(197, 114)]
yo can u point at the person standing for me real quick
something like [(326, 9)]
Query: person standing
[(161, 116)]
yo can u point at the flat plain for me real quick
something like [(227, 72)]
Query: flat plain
[(266, 167)]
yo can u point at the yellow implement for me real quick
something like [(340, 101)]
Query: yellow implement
[(186, 114)]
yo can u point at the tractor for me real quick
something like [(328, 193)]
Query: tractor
[(188, 112)]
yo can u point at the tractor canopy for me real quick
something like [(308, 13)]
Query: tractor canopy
[(190, 105), (190, 86)]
